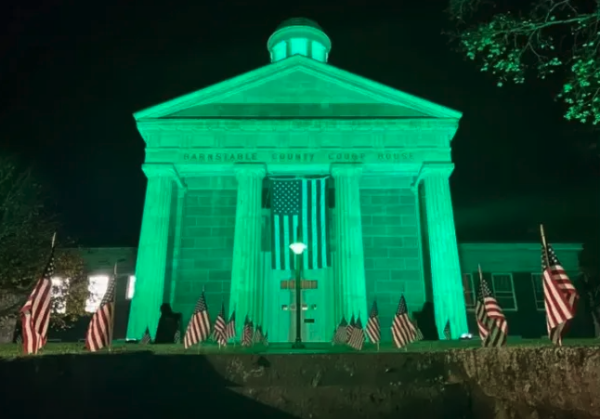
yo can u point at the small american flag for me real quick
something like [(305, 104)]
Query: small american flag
[(560, 296), (177, 337), (350, 328), (198, 329), (230, 328), (35, 314), (357, 337), (247, 332), (340, 335), (100, 331), (447, 331), (403, 331), (491, 322), (418, 334), (146, 338), (266, 338), (258, 335), (373, 328), (299, 203), (221, 327)]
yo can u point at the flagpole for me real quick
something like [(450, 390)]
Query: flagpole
[(112, 319), (545, 245)]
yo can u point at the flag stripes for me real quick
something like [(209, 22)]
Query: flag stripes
[(373, 327), (493, 329), (560, 296), (357, 336), (340, 335), (299, 203), (230, 328), (198, 329), (100, 330), (35, 313), (247, 332), (221, 327), (403, 330)]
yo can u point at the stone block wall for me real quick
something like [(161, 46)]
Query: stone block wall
[(206, 244), (393, 257)]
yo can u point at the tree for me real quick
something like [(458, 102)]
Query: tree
[(553, 39), (26, 229)]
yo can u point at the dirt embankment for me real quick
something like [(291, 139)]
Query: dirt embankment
[(487, 384)]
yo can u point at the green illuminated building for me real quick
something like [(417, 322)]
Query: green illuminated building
[(210, 156)]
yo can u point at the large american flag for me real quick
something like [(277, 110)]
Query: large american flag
[(491, 322), (230, 328), (198, 329), (340, 335), (373, 328), (560, 296), (100, 331), (35, 314), (357, 337), (403, 331), (299, 204), (221, 327)]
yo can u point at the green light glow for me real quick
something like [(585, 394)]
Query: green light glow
[(204, 225)]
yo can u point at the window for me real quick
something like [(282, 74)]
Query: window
[(538, 291), (299, 46), (504, 291), (469, 290), (279, 51), (318, 51), (60, 289), (130, 287), (97, 286)]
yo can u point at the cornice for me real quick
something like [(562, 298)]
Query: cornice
[(448, 125), (428, 169), (163, 170)]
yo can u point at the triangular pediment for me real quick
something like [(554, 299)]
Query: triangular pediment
[(297, 87)]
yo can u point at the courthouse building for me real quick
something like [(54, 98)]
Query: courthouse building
[(236, 171)]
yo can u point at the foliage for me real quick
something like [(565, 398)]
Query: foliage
[(552, 38), (26, 229)]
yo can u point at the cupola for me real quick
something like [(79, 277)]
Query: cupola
[(299, 36)]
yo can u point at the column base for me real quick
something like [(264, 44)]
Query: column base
[(298, 345)]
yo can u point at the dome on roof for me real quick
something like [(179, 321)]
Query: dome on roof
[(299, 21), (299, 36)]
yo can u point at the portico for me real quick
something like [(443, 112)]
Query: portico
[(210, 157)]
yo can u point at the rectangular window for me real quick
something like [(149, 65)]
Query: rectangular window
[(279, 51), (60, 289), (504, 291), (538, 291), (299, 46), (469, 290), (130, 287), (97, 286)]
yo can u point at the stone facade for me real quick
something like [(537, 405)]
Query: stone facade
[(210, 153)]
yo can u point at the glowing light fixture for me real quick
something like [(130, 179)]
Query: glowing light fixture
[(298, 248)]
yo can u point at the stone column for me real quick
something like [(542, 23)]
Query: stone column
[(246, 281), (349, 264), (151, 263), (446, 277), (178, 220)]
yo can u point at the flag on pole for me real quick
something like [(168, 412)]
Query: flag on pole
[(198, 329), (230, 328), (177, 337), (340, 335), (403, 331), (350, 328), (266, 338), (258, 335), (447, 331), (357, 337), (35, 314), (491, 322), (299, 203), (220, 327), (247, 332), (418, 334), (373, 327), (560, 296), (146, 338), (100, 331)]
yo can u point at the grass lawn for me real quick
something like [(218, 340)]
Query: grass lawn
[(14, 350)]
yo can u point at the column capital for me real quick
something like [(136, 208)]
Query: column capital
[(346, 170), (245, 170), (434, 168), (161, 170)]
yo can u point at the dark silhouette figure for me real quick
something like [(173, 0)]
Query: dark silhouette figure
[(426, 320), (168, 325)]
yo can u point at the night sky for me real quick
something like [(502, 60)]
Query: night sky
[(71, 76)]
